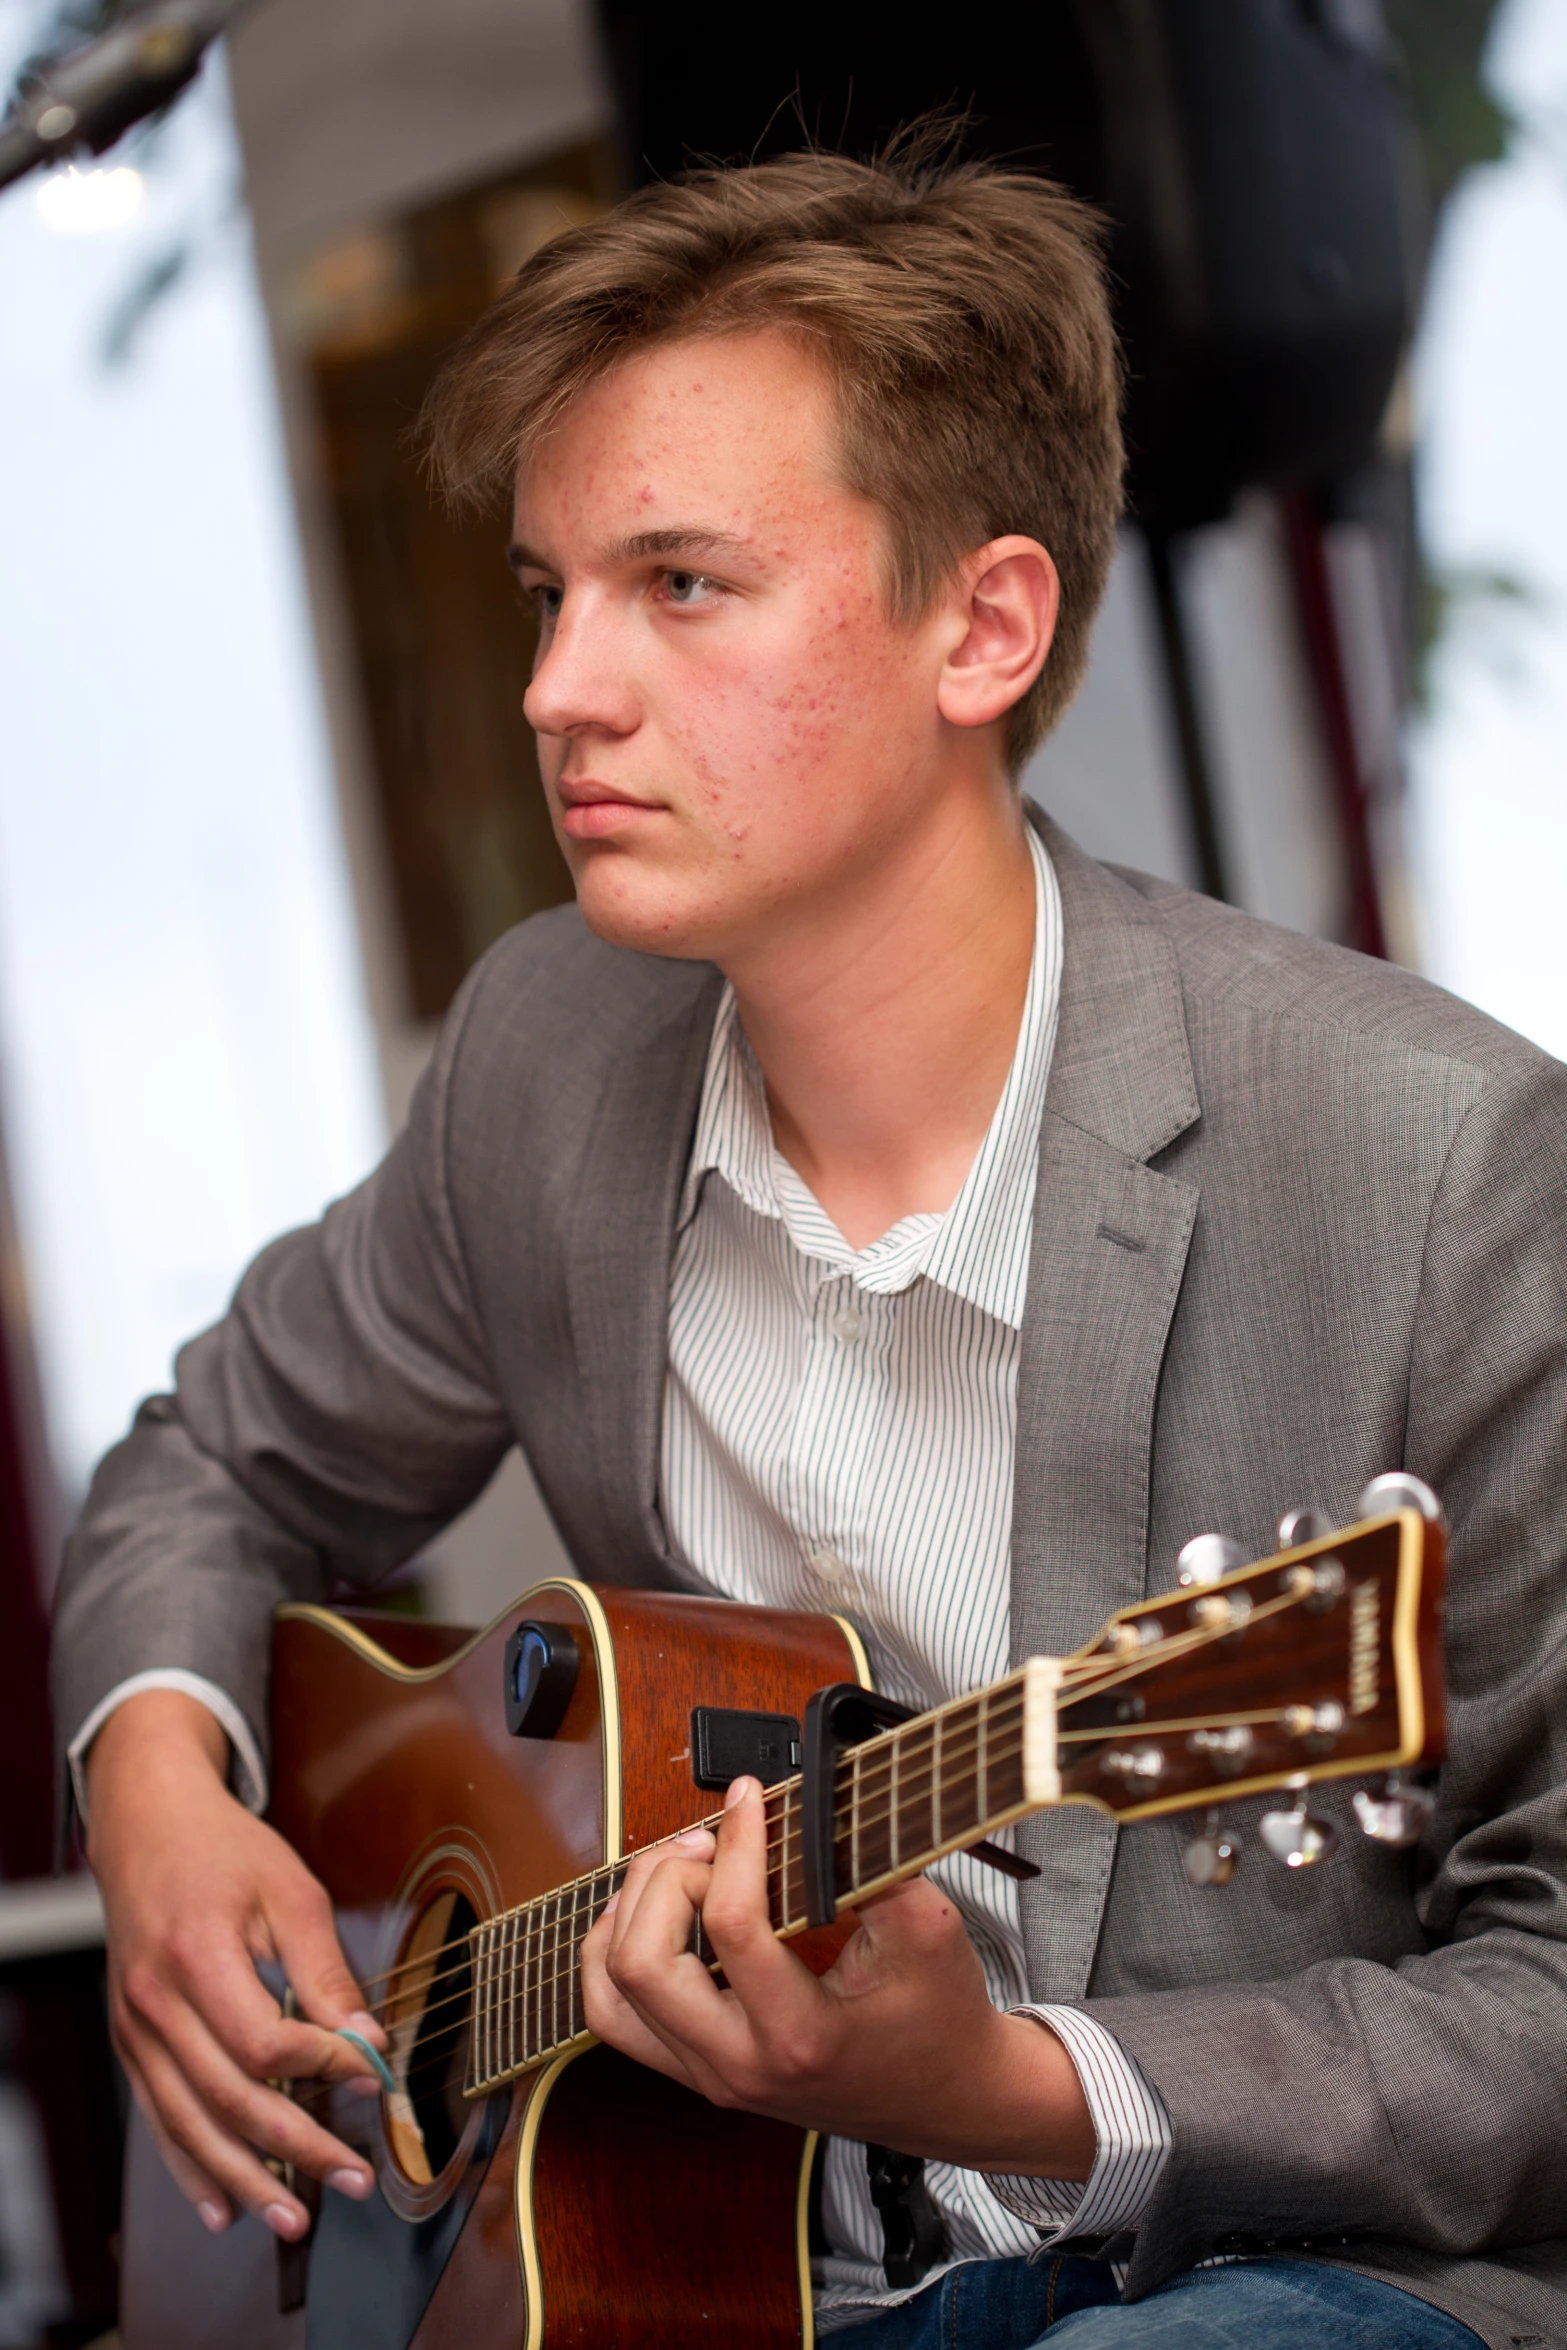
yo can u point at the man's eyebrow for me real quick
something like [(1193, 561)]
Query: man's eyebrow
[(686, 540)]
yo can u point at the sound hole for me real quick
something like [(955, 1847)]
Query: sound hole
[(430, 2039)]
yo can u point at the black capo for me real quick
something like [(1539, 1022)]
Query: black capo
[(845, 1715)]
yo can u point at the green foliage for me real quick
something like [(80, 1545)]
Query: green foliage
[(1459, 122)]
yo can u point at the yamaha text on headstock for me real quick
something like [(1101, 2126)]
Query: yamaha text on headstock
[(471, 1803)]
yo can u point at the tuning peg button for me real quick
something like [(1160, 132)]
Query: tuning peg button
[(1207, 1558), (1295, 1840), (1304, 1525), (1210, 1858), (1397, 1489), (1399, 1816)]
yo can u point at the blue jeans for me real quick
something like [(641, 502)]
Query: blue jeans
[(1252, 2305)]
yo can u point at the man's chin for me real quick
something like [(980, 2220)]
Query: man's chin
[(648, 920)]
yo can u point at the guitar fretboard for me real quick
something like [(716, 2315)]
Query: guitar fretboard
[(900, 1801)]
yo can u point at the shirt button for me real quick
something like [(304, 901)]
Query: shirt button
[(848, 1323), (826, 1563)]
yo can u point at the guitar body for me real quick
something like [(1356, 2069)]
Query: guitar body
[(591, 2204), (471, 1803)]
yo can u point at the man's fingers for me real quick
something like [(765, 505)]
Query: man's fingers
[(212, 2204), (196, 2147), (238, 2107), (312, 1959)]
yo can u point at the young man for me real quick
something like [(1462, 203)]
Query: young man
[(863, 1200)]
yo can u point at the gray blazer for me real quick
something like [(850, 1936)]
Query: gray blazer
[(1300, 1218)]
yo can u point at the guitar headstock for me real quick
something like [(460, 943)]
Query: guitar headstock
[(1322, 1662)]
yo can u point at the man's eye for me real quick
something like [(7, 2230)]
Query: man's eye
[(548, 600), (688, 587)]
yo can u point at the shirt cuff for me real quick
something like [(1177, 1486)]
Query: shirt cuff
[(1131, 2133), (247, 1771)]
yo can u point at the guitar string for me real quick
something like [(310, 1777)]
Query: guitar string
[(527, 1949), (774, 1797), (894, 1744), (1113, 1671), (543, 1937)]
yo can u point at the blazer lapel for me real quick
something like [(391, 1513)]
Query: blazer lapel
[(1109, 1249), (622, 1243)]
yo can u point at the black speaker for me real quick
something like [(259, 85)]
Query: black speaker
[(1252, 155)]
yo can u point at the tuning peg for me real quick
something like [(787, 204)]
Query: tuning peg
[(1399, 1816), (1397, 1489), (1304, 1525), (1207, 1558), (1210, 1858), (1294, 1839)]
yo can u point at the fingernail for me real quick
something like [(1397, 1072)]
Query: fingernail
[(736, 1792), (361, 2021), (214, 2218), (283, 2222), (350, 2182), (611, 1905), (697, 1840), (362, 2085)]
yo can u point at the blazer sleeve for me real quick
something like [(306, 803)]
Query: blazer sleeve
[(1426, 2101), (340, 1414)]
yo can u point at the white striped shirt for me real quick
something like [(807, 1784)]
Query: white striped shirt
[(839, 1432)]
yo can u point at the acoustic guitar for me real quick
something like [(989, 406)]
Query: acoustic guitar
[(471, 1801)]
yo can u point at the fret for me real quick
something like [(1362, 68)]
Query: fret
[(474, 2065), (495, 1978), (936, 1728), (855, 1875), (500, 1981), (500, 1975), (915, 1780), (476, 2011), (487, 2005), (541, 1977), (557, 1968), (893, 1798), (510, 2034), (1004, 1785), (521, 1946), (538, 1979), (786, 1897), (579, 1893), (958, 1810)]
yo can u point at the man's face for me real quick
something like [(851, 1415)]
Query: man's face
[(731, 728)]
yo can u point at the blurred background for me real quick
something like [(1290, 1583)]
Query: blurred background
[(265, 786)]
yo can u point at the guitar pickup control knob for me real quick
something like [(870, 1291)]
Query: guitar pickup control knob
[(540, 1675)]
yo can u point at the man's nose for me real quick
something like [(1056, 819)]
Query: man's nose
[(582, 680)]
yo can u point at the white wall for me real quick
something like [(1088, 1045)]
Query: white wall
[(188, 1064)]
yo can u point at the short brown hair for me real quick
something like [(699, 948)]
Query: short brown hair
[(961, 311)]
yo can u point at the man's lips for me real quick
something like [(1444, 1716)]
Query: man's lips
[(594, 811)]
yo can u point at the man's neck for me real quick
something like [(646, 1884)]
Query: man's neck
[(886, 1036)]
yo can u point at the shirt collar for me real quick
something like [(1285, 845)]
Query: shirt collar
[(979, 1249)]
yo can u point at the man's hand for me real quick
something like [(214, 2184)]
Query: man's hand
[(196, 1890), (898, 2044)]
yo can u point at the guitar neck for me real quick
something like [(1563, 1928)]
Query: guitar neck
[(900, 1801), (1302, 1667)]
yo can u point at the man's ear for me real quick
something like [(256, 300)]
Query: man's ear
[(1008, 594)]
